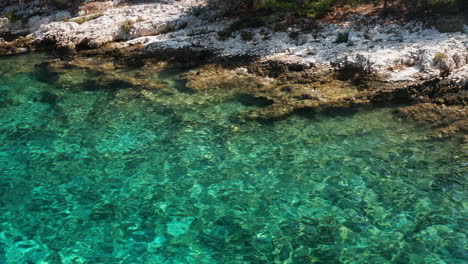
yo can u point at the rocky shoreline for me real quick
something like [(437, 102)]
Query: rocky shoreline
[(291, 65)]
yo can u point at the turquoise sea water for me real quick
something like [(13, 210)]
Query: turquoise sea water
[(95, 173)]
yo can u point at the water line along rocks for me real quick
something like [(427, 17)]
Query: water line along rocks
[(363, 59)]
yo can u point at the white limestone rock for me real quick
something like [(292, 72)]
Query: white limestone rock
[(146, 19), (4, 25), (402, 51), (460, 76)]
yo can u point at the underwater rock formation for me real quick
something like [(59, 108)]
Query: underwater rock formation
[(445, 120)]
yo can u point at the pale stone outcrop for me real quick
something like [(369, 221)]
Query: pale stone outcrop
[(4, 25), (401, 51)]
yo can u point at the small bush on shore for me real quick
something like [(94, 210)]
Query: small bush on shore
[(317, 8), (12, 17), (294, 35), (355, 70), (197, 11), (127, 25), (439, 57), (246, 35), (311, 8), (224, 34), (82, 19), (249, 22), (64, 4), (342, 37)]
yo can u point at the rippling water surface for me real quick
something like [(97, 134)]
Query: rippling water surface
[(93, 173)]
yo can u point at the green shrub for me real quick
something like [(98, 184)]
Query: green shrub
[(453, 23), (280, 27), (444, 7), (12, 17), (229, 5), (168, 29), (294, 35), (311, 8), (246, 35), (127, 25), (248, 22), (61, 4), (309, 26), (197, 10), (342, 37), (356, 70), (316, 8), (224, 34), (82, 19), (439, 57)]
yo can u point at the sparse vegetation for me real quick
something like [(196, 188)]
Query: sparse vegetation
[(413, 59), (458, 60), (309, 26), (246, 35), (280, 27), (127, 25), (167, 29), (12, 17), (82, 19), (250, 22), (224, 34), (64, 4), (311, 8), (294, 35), (439, 57), (197, 10), (355, 70), (318, 8), (342, 37), (450, 23)]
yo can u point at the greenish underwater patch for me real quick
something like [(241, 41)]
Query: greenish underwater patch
[(127, 175)]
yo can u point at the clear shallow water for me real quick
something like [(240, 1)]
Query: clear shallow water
[(123, 175)]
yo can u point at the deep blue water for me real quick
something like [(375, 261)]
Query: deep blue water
[(92, 174)]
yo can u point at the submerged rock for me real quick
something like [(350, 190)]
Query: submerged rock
[(110, 72), (286, 93), (446, 120), (314, 88)]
